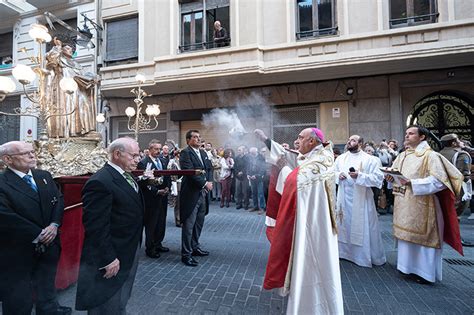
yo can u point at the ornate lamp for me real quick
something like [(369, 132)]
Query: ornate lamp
[(40, 107), (140, 122)]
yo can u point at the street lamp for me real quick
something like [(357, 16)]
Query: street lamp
[(40, 107), (140, 122)]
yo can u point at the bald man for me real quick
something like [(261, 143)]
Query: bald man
[(220, 35), (113, 223), (303, 258), (31, 210), (359, 235)]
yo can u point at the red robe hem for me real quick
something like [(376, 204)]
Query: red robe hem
[(282, 238), (451, 235)]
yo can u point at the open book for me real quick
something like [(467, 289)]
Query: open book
[(397, 176)]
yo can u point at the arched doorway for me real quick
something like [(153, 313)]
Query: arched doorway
[(445, 112)]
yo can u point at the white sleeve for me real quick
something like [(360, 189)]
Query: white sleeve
[(426, 186), (372, 177)]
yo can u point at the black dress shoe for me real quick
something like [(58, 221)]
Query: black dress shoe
[(152, 254), (189, 261), (162, 249), (60, 310), (200, 252), (420, 280), (238, 207)]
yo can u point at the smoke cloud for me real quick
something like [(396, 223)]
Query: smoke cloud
[(234, 125)]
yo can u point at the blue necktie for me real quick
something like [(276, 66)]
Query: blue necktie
[(29, 180), (158, 164)]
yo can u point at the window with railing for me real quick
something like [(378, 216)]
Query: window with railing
[(121, 41), (198, 30), (315, 18), (6, 50), (412, 12)]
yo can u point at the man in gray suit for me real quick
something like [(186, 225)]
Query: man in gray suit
[(194, 197)]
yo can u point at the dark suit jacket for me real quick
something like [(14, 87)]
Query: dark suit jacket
[(150, 191), (113, 222), (191, 186), (241, 165), (23, 215)]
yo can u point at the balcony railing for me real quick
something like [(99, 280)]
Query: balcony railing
[(317, 32), (414, 20), (204, 45)]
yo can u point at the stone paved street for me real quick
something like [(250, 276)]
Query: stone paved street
[(229, 281)]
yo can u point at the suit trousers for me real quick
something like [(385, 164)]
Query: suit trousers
[(258, 196), (155, 223), (192, 227), (41, 279), (117, 304), (241, 192)]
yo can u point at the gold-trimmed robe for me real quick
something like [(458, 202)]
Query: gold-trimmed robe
[(414, 217)]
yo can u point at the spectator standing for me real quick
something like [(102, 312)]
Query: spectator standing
[(241, 181), (256, 172), (225, 177), (216, 170), (220, 35)]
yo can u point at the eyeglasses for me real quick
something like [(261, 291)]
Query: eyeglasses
[(134, 156), (23, 153)]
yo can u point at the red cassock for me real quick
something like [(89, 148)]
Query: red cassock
[(451, 235), (282, 240), (274, 199)]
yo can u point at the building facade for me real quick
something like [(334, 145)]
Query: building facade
[(352, 67)]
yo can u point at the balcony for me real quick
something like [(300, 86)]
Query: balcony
[(429, 46), (204, 46)]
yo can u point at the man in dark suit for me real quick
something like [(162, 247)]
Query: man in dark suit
[(31, 210), (194, 197), (113, 223), (241, 181), (156, 201)]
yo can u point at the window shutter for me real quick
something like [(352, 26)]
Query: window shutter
[(122, 39)]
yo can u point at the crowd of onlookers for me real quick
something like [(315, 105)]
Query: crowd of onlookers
[(240, 175)]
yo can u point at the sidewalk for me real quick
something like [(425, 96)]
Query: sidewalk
[(229, 281)]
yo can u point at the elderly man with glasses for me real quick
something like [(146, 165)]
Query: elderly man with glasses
[(113, 224), (31, 210)]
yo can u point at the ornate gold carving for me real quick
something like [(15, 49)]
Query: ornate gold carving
[(71, 157)]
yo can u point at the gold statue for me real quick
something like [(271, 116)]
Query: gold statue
[(60, 62)]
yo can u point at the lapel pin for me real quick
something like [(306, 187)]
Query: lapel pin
[(44, 181)]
